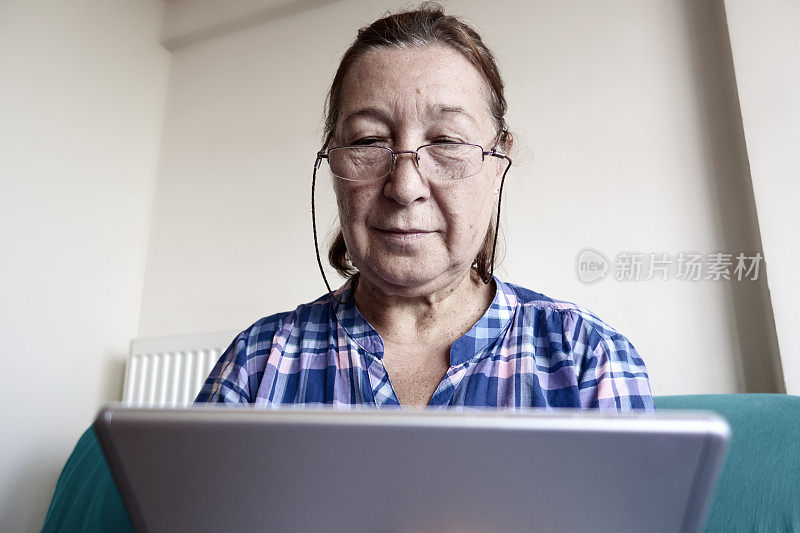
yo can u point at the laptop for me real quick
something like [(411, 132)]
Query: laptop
[(209, 468)]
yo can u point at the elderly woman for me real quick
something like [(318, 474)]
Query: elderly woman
[(416, 143)]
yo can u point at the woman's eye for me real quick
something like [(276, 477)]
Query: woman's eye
[(365, 141)]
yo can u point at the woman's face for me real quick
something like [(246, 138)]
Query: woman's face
[(406, 233)]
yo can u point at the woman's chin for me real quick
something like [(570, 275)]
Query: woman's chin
[(418, 281)]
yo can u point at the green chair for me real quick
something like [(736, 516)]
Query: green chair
[(758, 490), (86, 498), (759, 487)]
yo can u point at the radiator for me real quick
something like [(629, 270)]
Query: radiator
[(169, 371)]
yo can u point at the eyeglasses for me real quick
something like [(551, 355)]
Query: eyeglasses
[(440, 161)]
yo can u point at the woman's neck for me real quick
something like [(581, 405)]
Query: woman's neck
[(442, 316)]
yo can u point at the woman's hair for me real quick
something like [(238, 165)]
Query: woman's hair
[(426, 26)]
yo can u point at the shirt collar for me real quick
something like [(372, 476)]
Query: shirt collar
[(356, 326), (475, 342), (488, 328)]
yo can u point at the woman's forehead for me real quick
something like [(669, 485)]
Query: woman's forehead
[(432, 83)]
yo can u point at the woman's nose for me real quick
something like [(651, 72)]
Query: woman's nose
[(405, 184)]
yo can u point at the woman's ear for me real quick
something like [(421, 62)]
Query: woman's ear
[(507, 142)]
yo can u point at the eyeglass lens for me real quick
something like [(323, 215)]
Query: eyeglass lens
[(438, 161)]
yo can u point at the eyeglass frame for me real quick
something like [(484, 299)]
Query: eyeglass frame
[(325, 153)]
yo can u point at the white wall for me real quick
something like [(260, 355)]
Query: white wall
[(82, 89), (765, 40), (627, 117)]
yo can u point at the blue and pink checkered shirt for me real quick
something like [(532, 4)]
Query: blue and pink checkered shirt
[(527, 350)]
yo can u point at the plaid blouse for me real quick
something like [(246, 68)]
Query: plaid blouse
[(527, 350)]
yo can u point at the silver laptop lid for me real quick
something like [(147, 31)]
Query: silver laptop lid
[(244, 469)]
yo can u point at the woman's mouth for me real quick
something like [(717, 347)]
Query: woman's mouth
[(403, 234)]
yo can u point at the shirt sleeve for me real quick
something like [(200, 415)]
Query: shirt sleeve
[(228, 381), (612, 375)]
